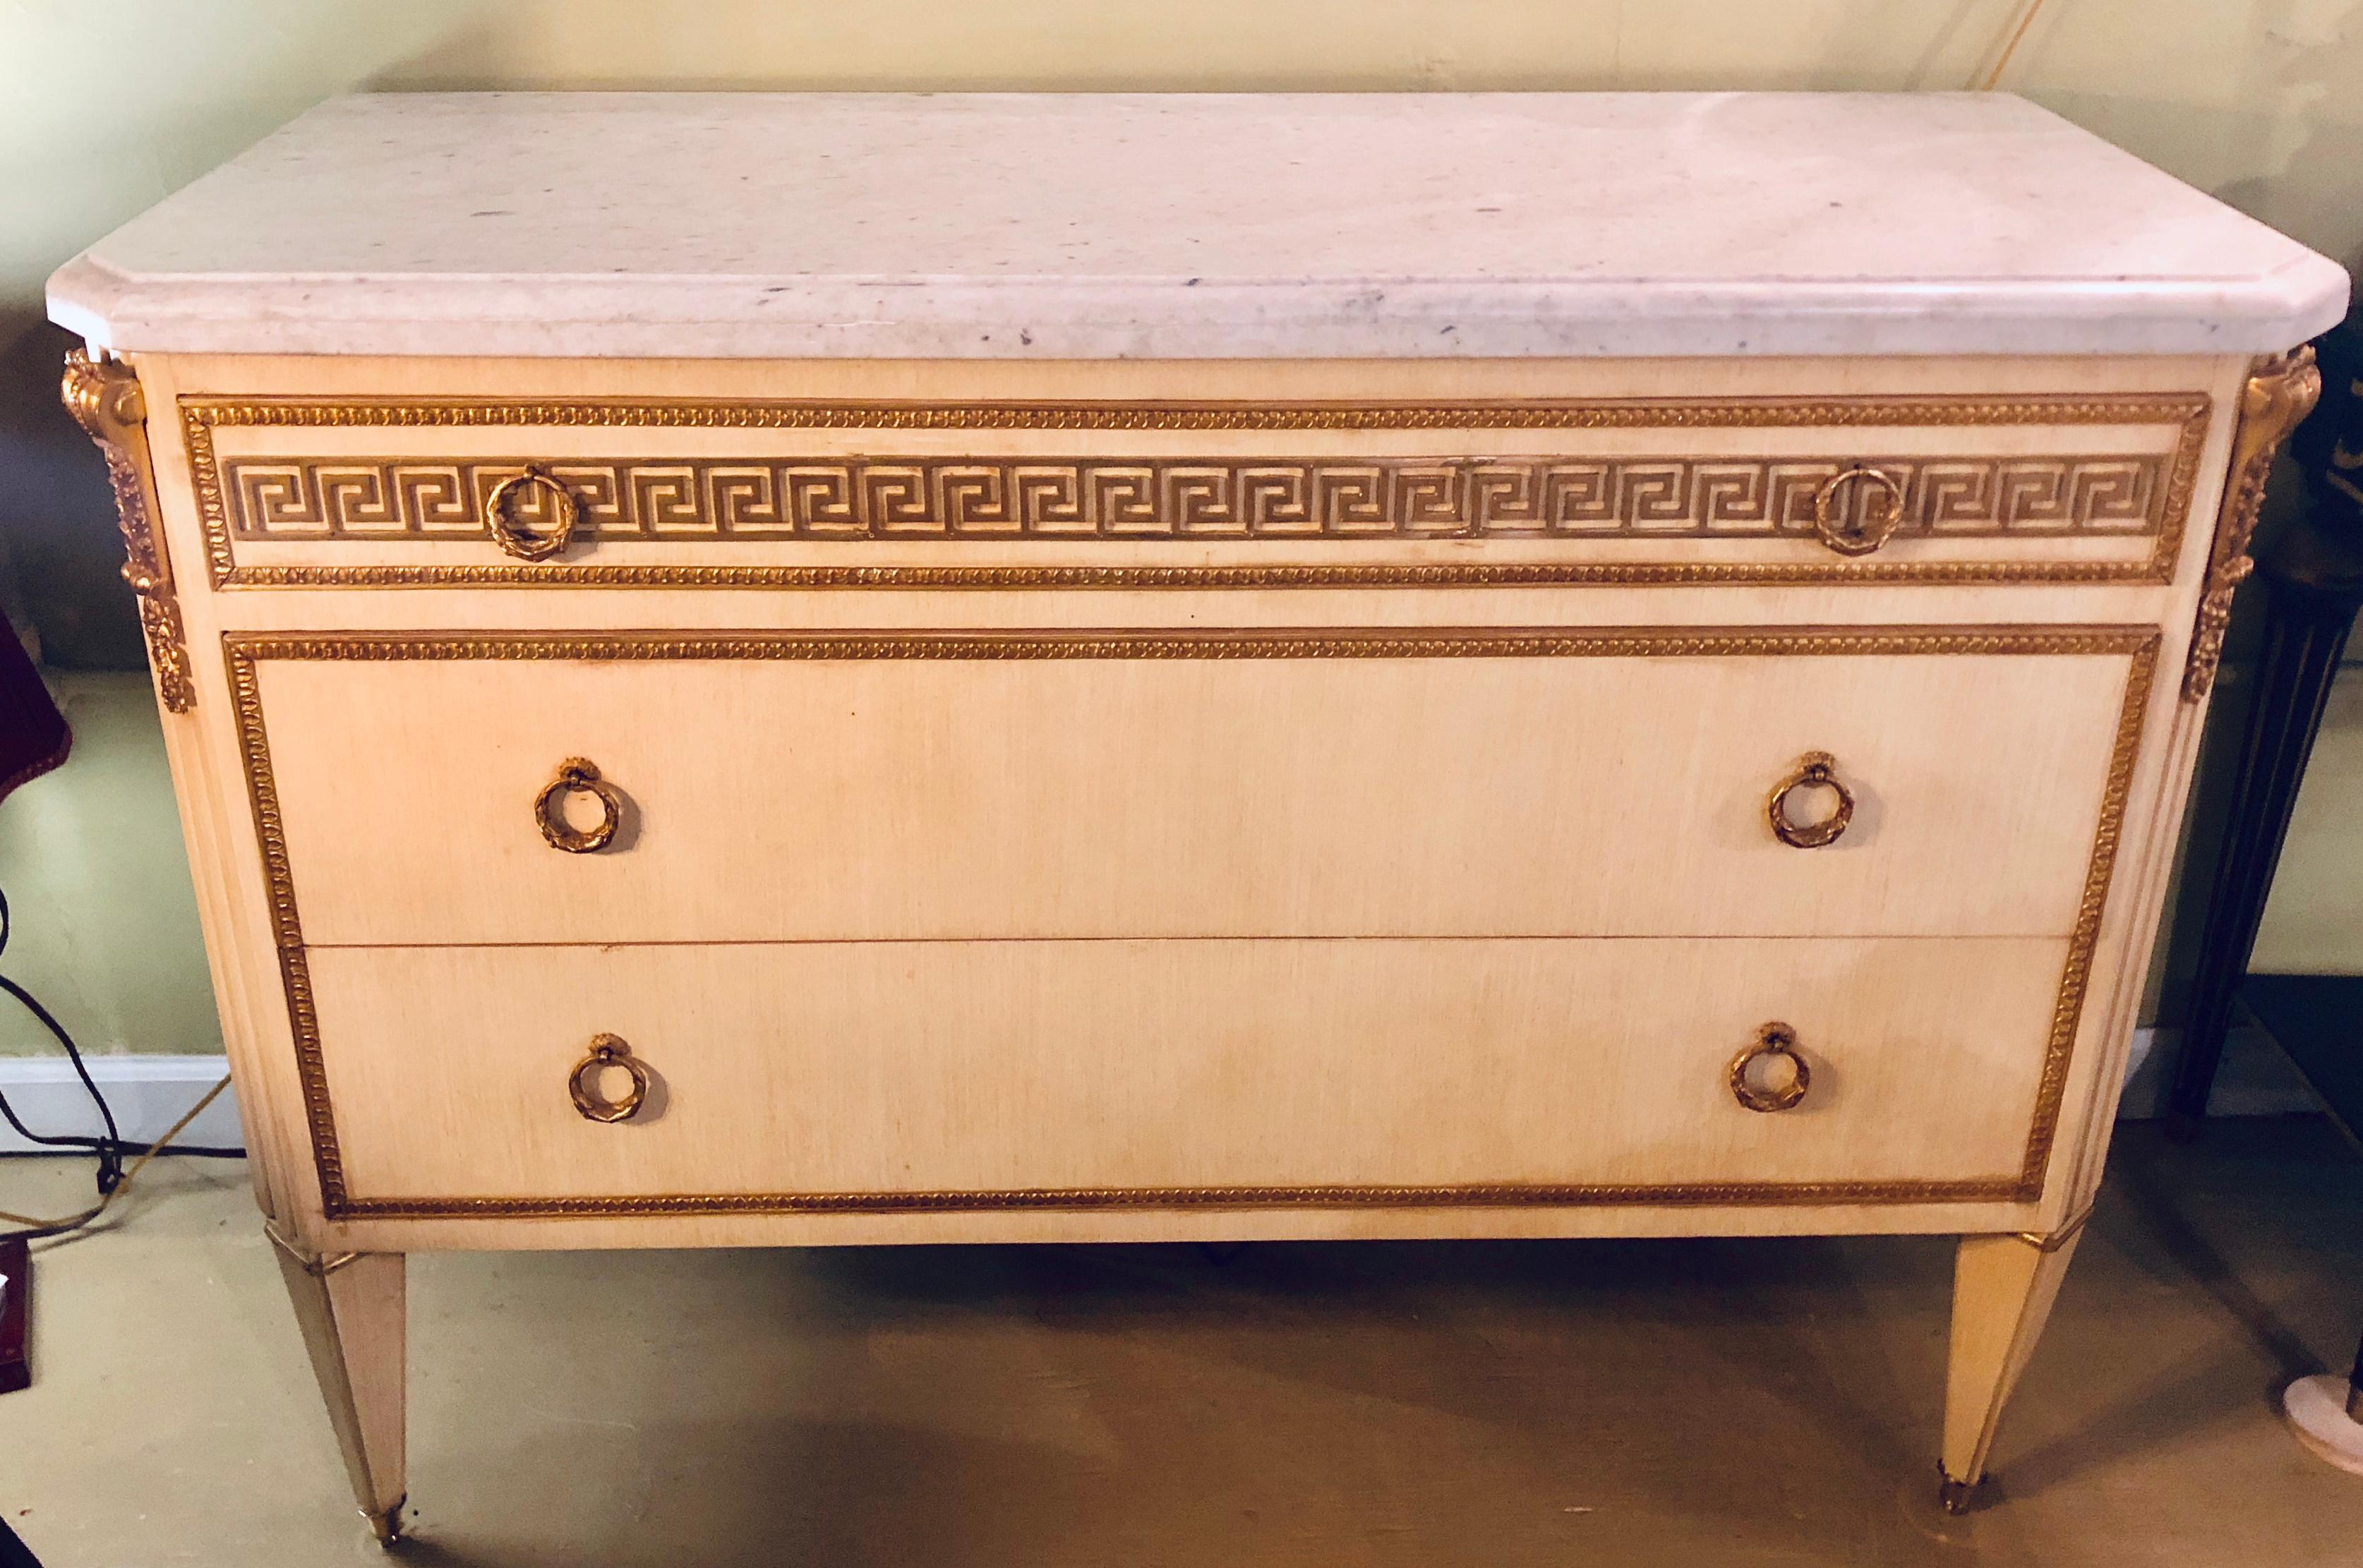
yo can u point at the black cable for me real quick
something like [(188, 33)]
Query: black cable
[(110, 1148)]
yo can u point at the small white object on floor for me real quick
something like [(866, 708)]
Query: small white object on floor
[(2316, 1411)]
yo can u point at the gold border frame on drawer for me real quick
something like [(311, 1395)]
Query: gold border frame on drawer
[(2189, 412), (244, 650)]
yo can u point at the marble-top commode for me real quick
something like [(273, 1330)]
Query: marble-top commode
[(835, 670), (1198, 227)]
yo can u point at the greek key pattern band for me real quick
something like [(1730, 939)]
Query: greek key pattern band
[(1065, 498)]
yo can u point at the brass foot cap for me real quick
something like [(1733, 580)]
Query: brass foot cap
[(387, 1526), (1953, 1496)]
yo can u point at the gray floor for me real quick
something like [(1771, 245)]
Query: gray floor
[(1692, 1403)]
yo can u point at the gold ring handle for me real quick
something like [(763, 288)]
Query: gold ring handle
[(607, 1051), (524, 544), (577, 774), (1772, 1040), (1878, 527), (1815, 769)]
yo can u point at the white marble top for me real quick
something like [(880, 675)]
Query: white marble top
[(1096, 226)]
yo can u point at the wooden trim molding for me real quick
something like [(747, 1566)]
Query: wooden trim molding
[(1116, 498), (244, 651)]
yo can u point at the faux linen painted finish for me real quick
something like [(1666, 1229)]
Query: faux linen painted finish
[(1341, 842)]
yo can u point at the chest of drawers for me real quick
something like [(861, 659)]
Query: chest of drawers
[(819, 670)]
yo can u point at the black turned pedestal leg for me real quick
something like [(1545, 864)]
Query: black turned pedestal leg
[(2310, 573)]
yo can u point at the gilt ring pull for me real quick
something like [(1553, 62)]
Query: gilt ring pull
[(1877, 527), (607, 1051), (1815, 769), (577, 774), (1772, 1040), (523, 543)]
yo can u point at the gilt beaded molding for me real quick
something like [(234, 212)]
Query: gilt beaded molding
[(243, 652), (1212, 498)]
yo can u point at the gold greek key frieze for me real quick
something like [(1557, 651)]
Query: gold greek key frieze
[(244, 651), (1212, 499), (874, 498), (2280, 391), (104, 399)]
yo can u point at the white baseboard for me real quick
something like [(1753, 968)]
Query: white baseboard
[(148, 1094)]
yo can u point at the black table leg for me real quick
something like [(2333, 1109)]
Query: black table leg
[(2311, 574)]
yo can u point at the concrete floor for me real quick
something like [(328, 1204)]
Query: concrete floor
[(1696, 1403)]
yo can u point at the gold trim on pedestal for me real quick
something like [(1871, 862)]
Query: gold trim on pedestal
[(2280, 391), (243, 652), (105, 398), (2051, 1242), (319, 1266)]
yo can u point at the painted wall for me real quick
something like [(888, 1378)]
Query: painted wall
[(103, 919), (104, 109)]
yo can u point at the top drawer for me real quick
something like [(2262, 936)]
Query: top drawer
[(2023, 487), (727, 787)]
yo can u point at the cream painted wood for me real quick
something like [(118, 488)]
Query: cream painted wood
[(1311, 794), (1017, 948), (2090, 1117), (886, 1067), (236, 896), (352, 1312), (2004, 1289)]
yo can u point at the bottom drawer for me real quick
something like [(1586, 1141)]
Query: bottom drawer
[(889, 1075)]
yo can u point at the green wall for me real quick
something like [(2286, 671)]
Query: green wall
[(104, 921)]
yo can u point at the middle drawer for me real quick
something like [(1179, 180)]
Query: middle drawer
[(923, 786)]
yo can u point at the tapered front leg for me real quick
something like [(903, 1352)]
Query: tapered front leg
[(2003, 1290), (351, 1311)]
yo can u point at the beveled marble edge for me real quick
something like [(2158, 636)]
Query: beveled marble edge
[(1060, 319), (1063, 226)]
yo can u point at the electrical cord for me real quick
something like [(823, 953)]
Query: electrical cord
[(110, 1147), (35, 1226)]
